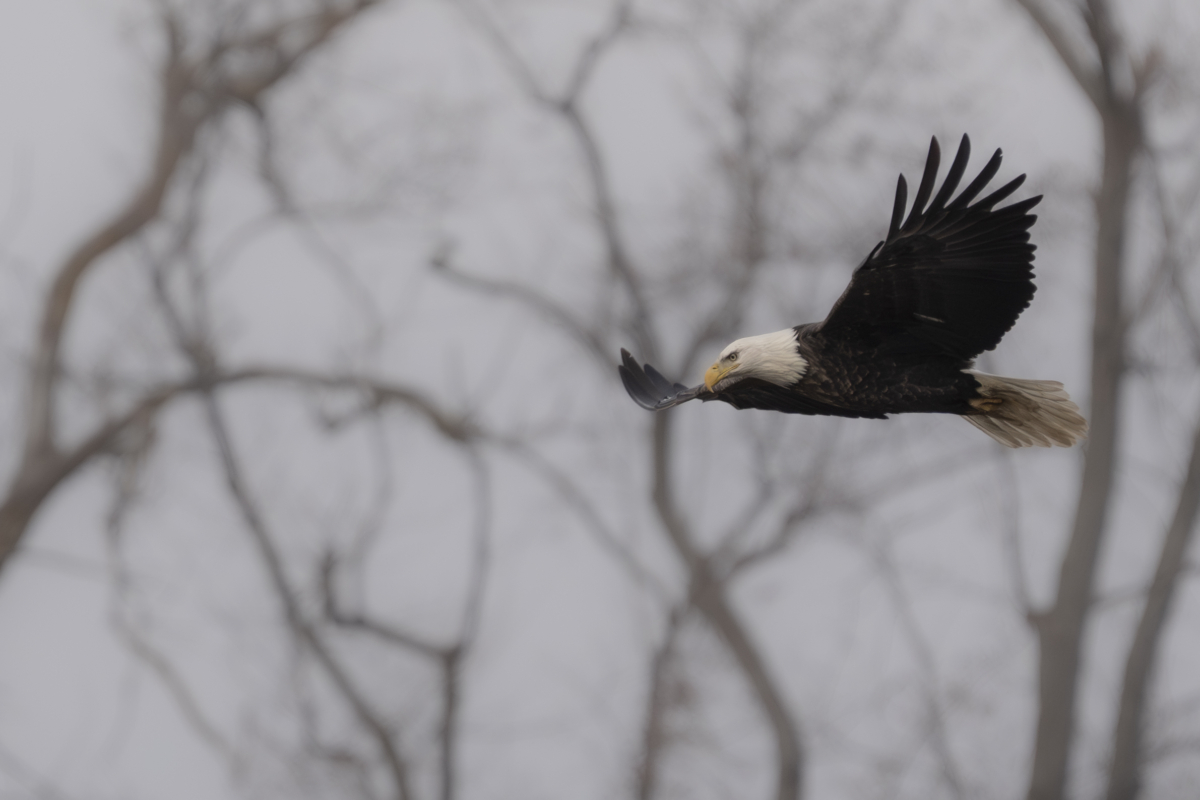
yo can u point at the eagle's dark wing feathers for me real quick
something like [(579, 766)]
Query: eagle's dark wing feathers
[(650, 389), (952, 278)]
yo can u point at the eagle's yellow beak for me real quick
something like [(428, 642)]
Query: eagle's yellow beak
[(716, 372)]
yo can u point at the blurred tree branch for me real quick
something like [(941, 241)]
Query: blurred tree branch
[(305, 631), (1013, 549), (1072, 49), (661, 697), (39, 787), (448, 657), (193, 339), (1128, 755), (569, 490), (748, 168), (950, 772), (566, 106), (128, 630), (554, 311), (1101, 75), (708, 594), (1116, 83), (198, 83), (1129, 752)]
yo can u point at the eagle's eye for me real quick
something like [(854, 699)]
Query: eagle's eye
[(732, 356)]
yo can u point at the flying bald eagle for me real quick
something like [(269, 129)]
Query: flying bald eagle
[(945, 285)]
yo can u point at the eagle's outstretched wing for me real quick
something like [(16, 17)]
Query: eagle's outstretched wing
[(650, 389), (952, 279)]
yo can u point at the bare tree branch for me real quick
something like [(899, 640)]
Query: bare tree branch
[(618, 22), (593, 521), (1061, 627), (334, 612), (749, 166), (655, 737), (749, 174), (1172, 262), (1011, 523), (452, 661), (810, 502), (448, 657), (1081, 65), (708, 595), (1129, 752), (292, 210), (177, 131), (304, 631), (131, 463), (1125, 767), (35, 485), (951, 773), (38, 786), (194, 93), (535, 300), (566, 107)]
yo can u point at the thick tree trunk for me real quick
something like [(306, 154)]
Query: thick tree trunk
[(1061, 628), (1124, 777)]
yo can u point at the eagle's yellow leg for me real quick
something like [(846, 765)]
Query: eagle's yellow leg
[(986, 404)]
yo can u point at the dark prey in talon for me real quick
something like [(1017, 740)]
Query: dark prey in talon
[(944, 286)]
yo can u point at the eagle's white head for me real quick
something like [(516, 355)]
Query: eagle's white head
[(771, 357)]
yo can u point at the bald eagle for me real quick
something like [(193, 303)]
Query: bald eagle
[(944, 286)]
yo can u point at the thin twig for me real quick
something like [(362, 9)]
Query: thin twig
[(567, 108), (1070, 50), (951, 773), (560, 480), (1011, 532), (195, 91), (122, 582), (534, 299), (659, 701), (304, 631)]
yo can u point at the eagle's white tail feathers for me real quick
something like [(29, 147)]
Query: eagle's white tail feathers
[(1030, 413)]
